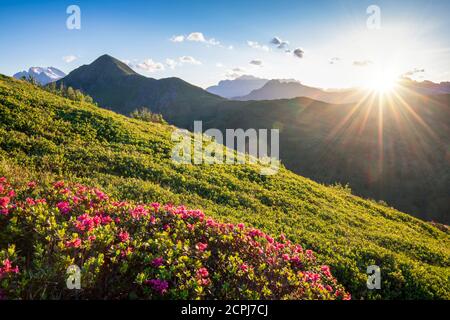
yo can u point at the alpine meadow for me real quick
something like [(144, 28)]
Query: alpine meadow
[(224, 159)]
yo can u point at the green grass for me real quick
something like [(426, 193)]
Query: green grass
[(44, 136)]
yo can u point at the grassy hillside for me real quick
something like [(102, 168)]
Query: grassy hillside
[(373, 145), (45, 137)]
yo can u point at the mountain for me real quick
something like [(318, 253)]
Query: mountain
[(425, 87), (114, 85), (240, 86), (393, 149), (279, 89), (329, 143), (44, 137), (43, 75)]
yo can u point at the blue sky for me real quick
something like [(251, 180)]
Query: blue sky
[(230, 35)]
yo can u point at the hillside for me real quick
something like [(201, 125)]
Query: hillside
[(393, 149), (44, 137), (114, 85), (329, 143)]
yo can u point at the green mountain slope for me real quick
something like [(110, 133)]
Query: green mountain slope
[(44, 136), (394, 149), (371, 145)]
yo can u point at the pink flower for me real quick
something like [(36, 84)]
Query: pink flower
[(31, 184), (138, 212), (63, 207), (285, 257), (58, 185), (326, 271), (76, 243), (126, 252), (30, 201), (244, 267), (201, 246), (155, 206), (107, 219), (160, 286), (202, 273), (4, 201), (157, 262), (240, 226), (8, 268), (269, 239), (124, 236), (100, 195)]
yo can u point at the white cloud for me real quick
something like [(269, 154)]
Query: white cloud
[(171, 63), (70, 58), (257, 62), (235, 72), (179, 38), (256, 45), (362, 63), (281, 44), (188, 59), (196, 37), (150, 66), (334, 60), (219, 65), (299, 53)]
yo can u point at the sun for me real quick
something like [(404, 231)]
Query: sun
[(382, 81)]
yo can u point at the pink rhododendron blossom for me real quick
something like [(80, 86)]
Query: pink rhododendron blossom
[(160, 286), (124, 236), (63, 207), (202, 272), (157, 262), (201, 246), (76, 243)]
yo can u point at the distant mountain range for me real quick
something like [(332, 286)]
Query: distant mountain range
[(425, 87), (279, 89), (386, 150), (42, 75), (240, 86), (114, 85)]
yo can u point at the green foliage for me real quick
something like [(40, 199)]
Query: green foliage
[(124, 250), (145, 114), (44, 136), (69, 93)]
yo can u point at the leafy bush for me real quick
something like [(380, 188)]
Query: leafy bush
[(128, 250), (145, 114)]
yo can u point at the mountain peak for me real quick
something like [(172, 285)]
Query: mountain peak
[(42, 75), (111, 66)]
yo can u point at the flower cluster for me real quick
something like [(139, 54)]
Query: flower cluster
[(128, 250)]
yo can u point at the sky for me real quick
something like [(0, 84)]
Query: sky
[(328, 44)]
